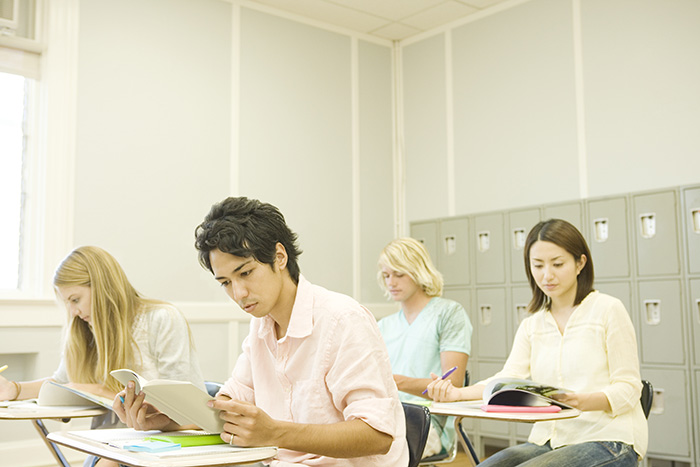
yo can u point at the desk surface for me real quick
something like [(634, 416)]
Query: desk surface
[(28, 412), (209, 456), (472, 409)]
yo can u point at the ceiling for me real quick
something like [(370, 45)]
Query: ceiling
[(386, 19)]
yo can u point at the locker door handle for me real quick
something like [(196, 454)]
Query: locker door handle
[(450, 244), (521, 312), (485, 316), (697, 306), (518, 238), (483, 241), (658, 404), (647, 225), (600, 228), (653, 312), (695, 216)]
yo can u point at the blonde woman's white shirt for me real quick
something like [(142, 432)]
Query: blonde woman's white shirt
[(162, 347), (597, 352)]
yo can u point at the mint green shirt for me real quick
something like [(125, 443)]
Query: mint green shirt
[(414, 349)]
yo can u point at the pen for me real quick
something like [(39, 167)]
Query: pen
[(449, 372), (3, 368)]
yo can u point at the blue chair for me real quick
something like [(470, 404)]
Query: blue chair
[(212, 387)]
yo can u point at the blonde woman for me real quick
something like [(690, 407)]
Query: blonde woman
[(110, 326), (429, 334)]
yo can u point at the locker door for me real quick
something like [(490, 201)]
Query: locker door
[(608, 237), (519, 225), (491, 324), (669, 419), (426, 233), (520, 297), (570, 212), (694, 318), (453, 251), (656, 237), (691, 221), (490, 257), (661, 319)]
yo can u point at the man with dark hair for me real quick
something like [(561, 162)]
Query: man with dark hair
[(314, 377)]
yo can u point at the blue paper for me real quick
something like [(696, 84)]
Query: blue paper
[(151, 446)]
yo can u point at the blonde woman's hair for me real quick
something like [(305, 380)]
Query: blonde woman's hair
[(92, 351), (408, 256)]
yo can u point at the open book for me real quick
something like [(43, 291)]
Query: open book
[(521, 393), (53, 394), (182, 401)]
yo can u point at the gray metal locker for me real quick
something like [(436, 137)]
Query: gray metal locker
[(519, 225), (669, 419), (570, 212), (661, 322), (691, 222), (426, 233), (453, 251), (491, 323), (656, 235), (608, 237), (520, 297), (694, 317), (489, 252), (697, 417)]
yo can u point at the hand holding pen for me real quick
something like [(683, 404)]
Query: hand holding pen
[(448, 373)]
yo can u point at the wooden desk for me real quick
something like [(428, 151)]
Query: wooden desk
[(472, 409), (38, 414), (201, 456)]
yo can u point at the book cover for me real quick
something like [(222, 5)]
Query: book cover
[(523, 393), (182, 401), (53, 394)]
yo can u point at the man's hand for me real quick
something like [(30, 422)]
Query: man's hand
[(246, 424), (139, 415)]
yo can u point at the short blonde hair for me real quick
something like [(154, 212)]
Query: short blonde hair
[(408, 256)]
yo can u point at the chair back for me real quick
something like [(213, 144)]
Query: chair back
[(647, 397), (212, 387), (417, 429)]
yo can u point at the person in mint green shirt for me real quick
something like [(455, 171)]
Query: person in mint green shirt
[(429, 334)]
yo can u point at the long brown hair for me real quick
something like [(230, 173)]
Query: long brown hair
[(566, 236)]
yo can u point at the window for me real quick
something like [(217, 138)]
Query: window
[(13, 113)]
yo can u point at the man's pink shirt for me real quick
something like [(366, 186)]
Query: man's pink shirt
[(331, 366)]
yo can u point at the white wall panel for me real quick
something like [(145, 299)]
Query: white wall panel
[(152, 135), (376, 162), (296, 137), (424, 128), (641, 76), (514, 108)]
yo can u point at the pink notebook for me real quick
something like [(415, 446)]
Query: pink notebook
[(520, 408)]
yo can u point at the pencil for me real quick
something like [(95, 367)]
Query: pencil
[(3, 368), (448, 373)]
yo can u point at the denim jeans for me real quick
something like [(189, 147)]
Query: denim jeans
[(591, 454)]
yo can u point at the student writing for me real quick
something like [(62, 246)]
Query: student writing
[(429, 334)]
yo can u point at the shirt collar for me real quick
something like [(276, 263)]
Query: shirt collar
[(301, 321)]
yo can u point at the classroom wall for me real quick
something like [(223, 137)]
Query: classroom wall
[(552, 101)]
